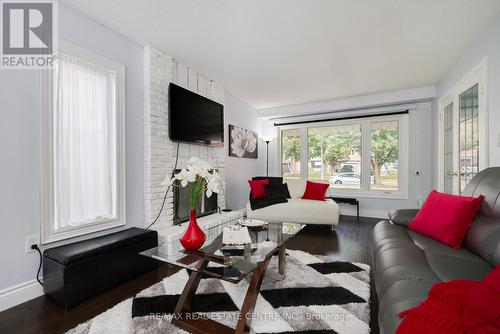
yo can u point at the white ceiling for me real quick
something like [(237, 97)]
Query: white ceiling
[(282, 52)]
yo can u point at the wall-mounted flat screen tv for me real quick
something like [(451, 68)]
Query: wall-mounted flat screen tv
[(194, 118)]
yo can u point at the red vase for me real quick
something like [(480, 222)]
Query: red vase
[(193, 237)]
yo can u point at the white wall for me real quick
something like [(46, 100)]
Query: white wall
[(353, 103), (20, 138), (240, 170), (487, 45)]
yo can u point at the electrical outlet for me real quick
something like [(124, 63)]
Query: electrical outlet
[(420, 201), (32, 240)]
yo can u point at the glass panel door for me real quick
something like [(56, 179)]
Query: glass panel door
[(460, 144), (468, 134), (448, 148)]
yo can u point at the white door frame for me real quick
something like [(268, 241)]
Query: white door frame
[(443, 103), (478, 75)]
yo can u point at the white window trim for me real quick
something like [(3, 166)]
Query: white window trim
[(48, 235), (478, 74), (364, 191)]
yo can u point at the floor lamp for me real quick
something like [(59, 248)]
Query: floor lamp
[(267, 140)]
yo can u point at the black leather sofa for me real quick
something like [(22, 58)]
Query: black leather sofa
[(407, 264)]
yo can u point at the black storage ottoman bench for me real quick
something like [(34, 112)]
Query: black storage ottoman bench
[(77, 271)]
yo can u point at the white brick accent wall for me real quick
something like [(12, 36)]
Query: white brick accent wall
[(159, 152)]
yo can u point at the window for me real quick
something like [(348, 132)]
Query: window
[(363, 157), (83, 140), (290, 153), (384, 155), (335, 155)]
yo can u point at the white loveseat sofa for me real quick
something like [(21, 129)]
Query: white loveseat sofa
[(298, 210)]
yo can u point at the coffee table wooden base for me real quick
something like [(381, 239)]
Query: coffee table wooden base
[(206, 326)]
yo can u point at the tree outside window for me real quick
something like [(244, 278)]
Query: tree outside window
[(335, 155), (290, 153), (384, 155)]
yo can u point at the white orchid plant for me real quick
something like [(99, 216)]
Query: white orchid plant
[(198, 177)]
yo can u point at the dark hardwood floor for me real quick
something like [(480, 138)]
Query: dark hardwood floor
[(350, 242)]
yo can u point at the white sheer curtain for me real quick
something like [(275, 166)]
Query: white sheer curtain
[(84, 133)]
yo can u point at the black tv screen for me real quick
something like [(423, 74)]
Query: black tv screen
[(194, 118)]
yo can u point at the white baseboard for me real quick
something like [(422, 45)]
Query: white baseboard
[(19, 294), (351, 211)]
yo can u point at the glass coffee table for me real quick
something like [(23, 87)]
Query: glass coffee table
[(231, 263)]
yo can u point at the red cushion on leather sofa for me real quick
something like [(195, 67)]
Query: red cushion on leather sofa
[(446, 218)]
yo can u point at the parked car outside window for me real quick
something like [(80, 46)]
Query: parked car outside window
[(345, 178)]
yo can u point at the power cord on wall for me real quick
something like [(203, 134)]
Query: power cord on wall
[(168, 188), (35, 247)]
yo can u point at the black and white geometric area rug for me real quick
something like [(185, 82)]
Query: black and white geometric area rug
[(318, 295)]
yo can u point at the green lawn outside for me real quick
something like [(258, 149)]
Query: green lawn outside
[(389, 182)]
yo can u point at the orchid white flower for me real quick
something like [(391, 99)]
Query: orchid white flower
[(185, 176), (198, 167), (243, 141), (200, 177), (213, 185)]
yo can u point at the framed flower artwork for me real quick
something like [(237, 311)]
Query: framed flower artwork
[(243, 143)]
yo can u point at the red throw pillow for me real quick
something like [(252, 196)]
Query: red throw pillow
[(257, 188), (315, 191), (446, 218)]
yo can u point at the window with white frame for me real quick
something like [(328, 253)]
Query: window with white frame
[(83, 167), (362, 157)]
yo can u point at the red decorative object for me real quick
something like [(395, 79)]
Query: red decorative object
[(315, 191), (194, 237), (446, 218), (257, 188)]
